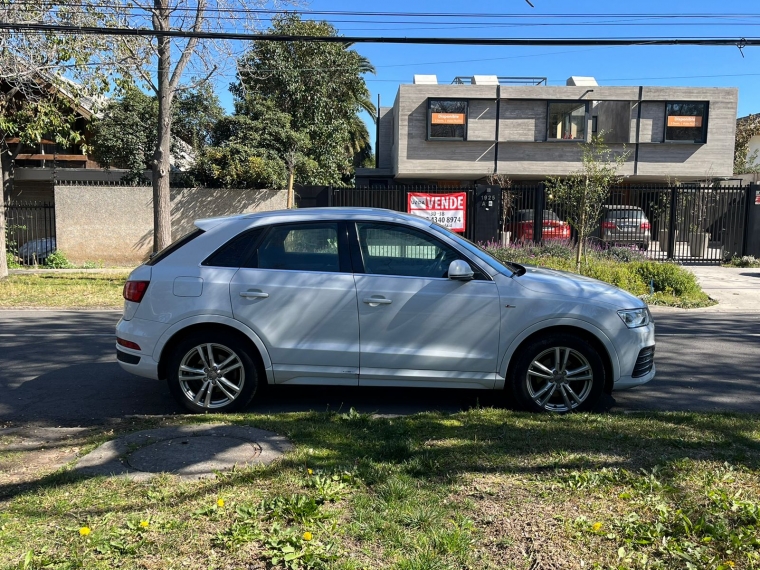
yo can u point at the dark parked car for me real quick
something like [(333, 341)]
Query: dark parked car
[(553, 227), (625, 225)]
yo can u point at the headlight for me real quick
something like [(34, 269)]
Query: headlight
[(635, 317)]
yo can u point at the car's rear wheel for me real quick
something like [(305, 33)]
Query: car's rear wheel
[(558, 373), (212, 372)]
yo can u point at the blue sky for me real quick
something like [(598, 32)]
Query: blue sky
[(635, 65)]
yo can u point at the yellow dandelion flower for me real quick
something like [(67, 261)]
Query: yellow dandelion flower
[(220, 502), (84, 531), (596, 526), (730, 563), (144, 524), (307, 535), (310, 471)]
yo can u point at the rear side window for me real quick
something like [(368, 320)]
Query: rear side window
[(240, 251), (167, 251), (301, 247)]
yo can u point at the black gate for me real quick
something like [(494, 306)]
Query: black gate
[(684, 223), (30, 231)]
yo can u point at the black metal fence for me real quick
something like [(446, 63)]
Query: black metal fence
[(30, 231), (695, 223), (684, 223)]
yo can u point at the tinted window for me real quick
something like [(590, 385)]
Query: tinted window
[(527, 215), (168, 250), (300, 247), (686, 122), (625, 214), (567, 121), (447, 119), (398, 250), (238, 252)]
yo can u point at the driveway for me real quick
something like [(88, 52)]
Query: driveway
[(57, 368)]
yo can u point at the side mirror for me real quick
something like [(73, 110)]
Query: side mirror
[(460, 270)]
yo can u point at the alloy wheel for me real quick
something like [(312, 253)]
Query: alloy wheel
[(211, 375), (559, 379)]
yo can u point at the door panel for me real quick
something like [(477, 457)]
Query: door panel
[(300, 298), (433, 331), (308, 322)]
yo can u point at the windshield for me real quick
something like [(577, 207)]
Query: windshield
[(475, 249)]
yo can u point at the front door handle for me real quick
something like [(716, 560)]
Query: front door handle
[(375, 301), (254, 294)]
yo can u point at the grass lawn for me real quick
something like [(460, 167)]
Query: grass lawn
[(63, 290), (486, 488)]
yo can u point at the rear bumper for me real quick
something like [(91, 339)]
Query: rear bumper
[(145, 366), (145, 334)]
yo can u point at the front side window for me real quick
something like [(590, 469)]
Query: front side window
[(567, 121), (398, 250), (300, 247), (686, 122), (447, 119)]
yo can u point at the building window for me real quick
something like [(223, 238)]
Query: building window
[(567, 121), (686, 122), (447, 119)]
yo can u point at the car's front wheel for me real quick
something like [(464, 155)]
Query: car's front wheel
[(558, 373), (212, 372)]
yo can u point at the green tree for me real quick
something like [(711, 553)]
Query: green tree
[(320, 86), (584, 192), (44, 80), (196, 112), (125, 135), (255, 148)]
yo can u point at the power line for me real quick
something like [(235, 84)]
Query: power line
[(142, 32), (358, 13)]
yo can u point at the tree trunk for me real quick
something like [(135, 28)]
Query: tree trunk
[(291, 196), (5, 191), (162, 216)]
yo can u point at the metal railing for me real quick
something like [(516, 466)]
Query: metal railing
[(30, 231)]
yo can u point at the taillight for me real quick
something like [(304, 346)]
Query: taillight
[(127, 343), (644, 225), (609, 225), (135, 290)]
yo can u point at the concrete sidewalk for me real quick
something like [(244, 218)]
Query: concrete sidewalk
[(736, 289)]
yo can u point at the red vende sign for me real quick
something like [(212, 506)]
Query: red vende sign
[(447, 210)]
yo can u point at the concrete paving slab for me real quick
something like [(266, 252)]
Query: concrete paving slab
[(190, 452), (736, 289)]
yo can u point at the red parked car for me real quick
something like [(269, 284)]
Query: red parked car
[(553, 227)]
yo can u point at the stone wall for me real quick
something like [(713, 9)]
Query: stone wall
[(114, 224)]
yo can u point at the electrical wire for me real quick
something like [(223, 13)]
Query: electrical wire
[(142, 32)]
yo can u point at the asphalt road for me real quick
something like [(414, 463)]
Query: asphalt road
[(59, 369)]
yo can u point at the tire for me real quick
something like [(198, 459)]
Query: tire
[(229, 391), (536, 375)]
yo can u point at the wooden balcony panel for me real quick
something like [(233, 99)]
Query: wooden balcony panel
[(53, 157)]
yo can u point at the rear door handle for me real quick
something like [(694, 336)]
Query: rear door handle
[(377, 301), (254, 294)]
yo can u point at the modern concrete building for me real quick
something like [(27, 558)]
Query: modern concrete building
[(460, 133)]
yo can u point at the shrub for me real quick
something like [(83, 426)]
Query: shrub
[(623, 254), (57, 260), (744, 261), (668, 278)]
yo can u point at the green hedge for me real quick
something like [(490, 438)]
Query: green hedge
[(625, 268)]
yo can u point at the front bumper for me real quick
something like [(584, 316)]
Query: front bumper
[(632, 344), (626, 382)]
